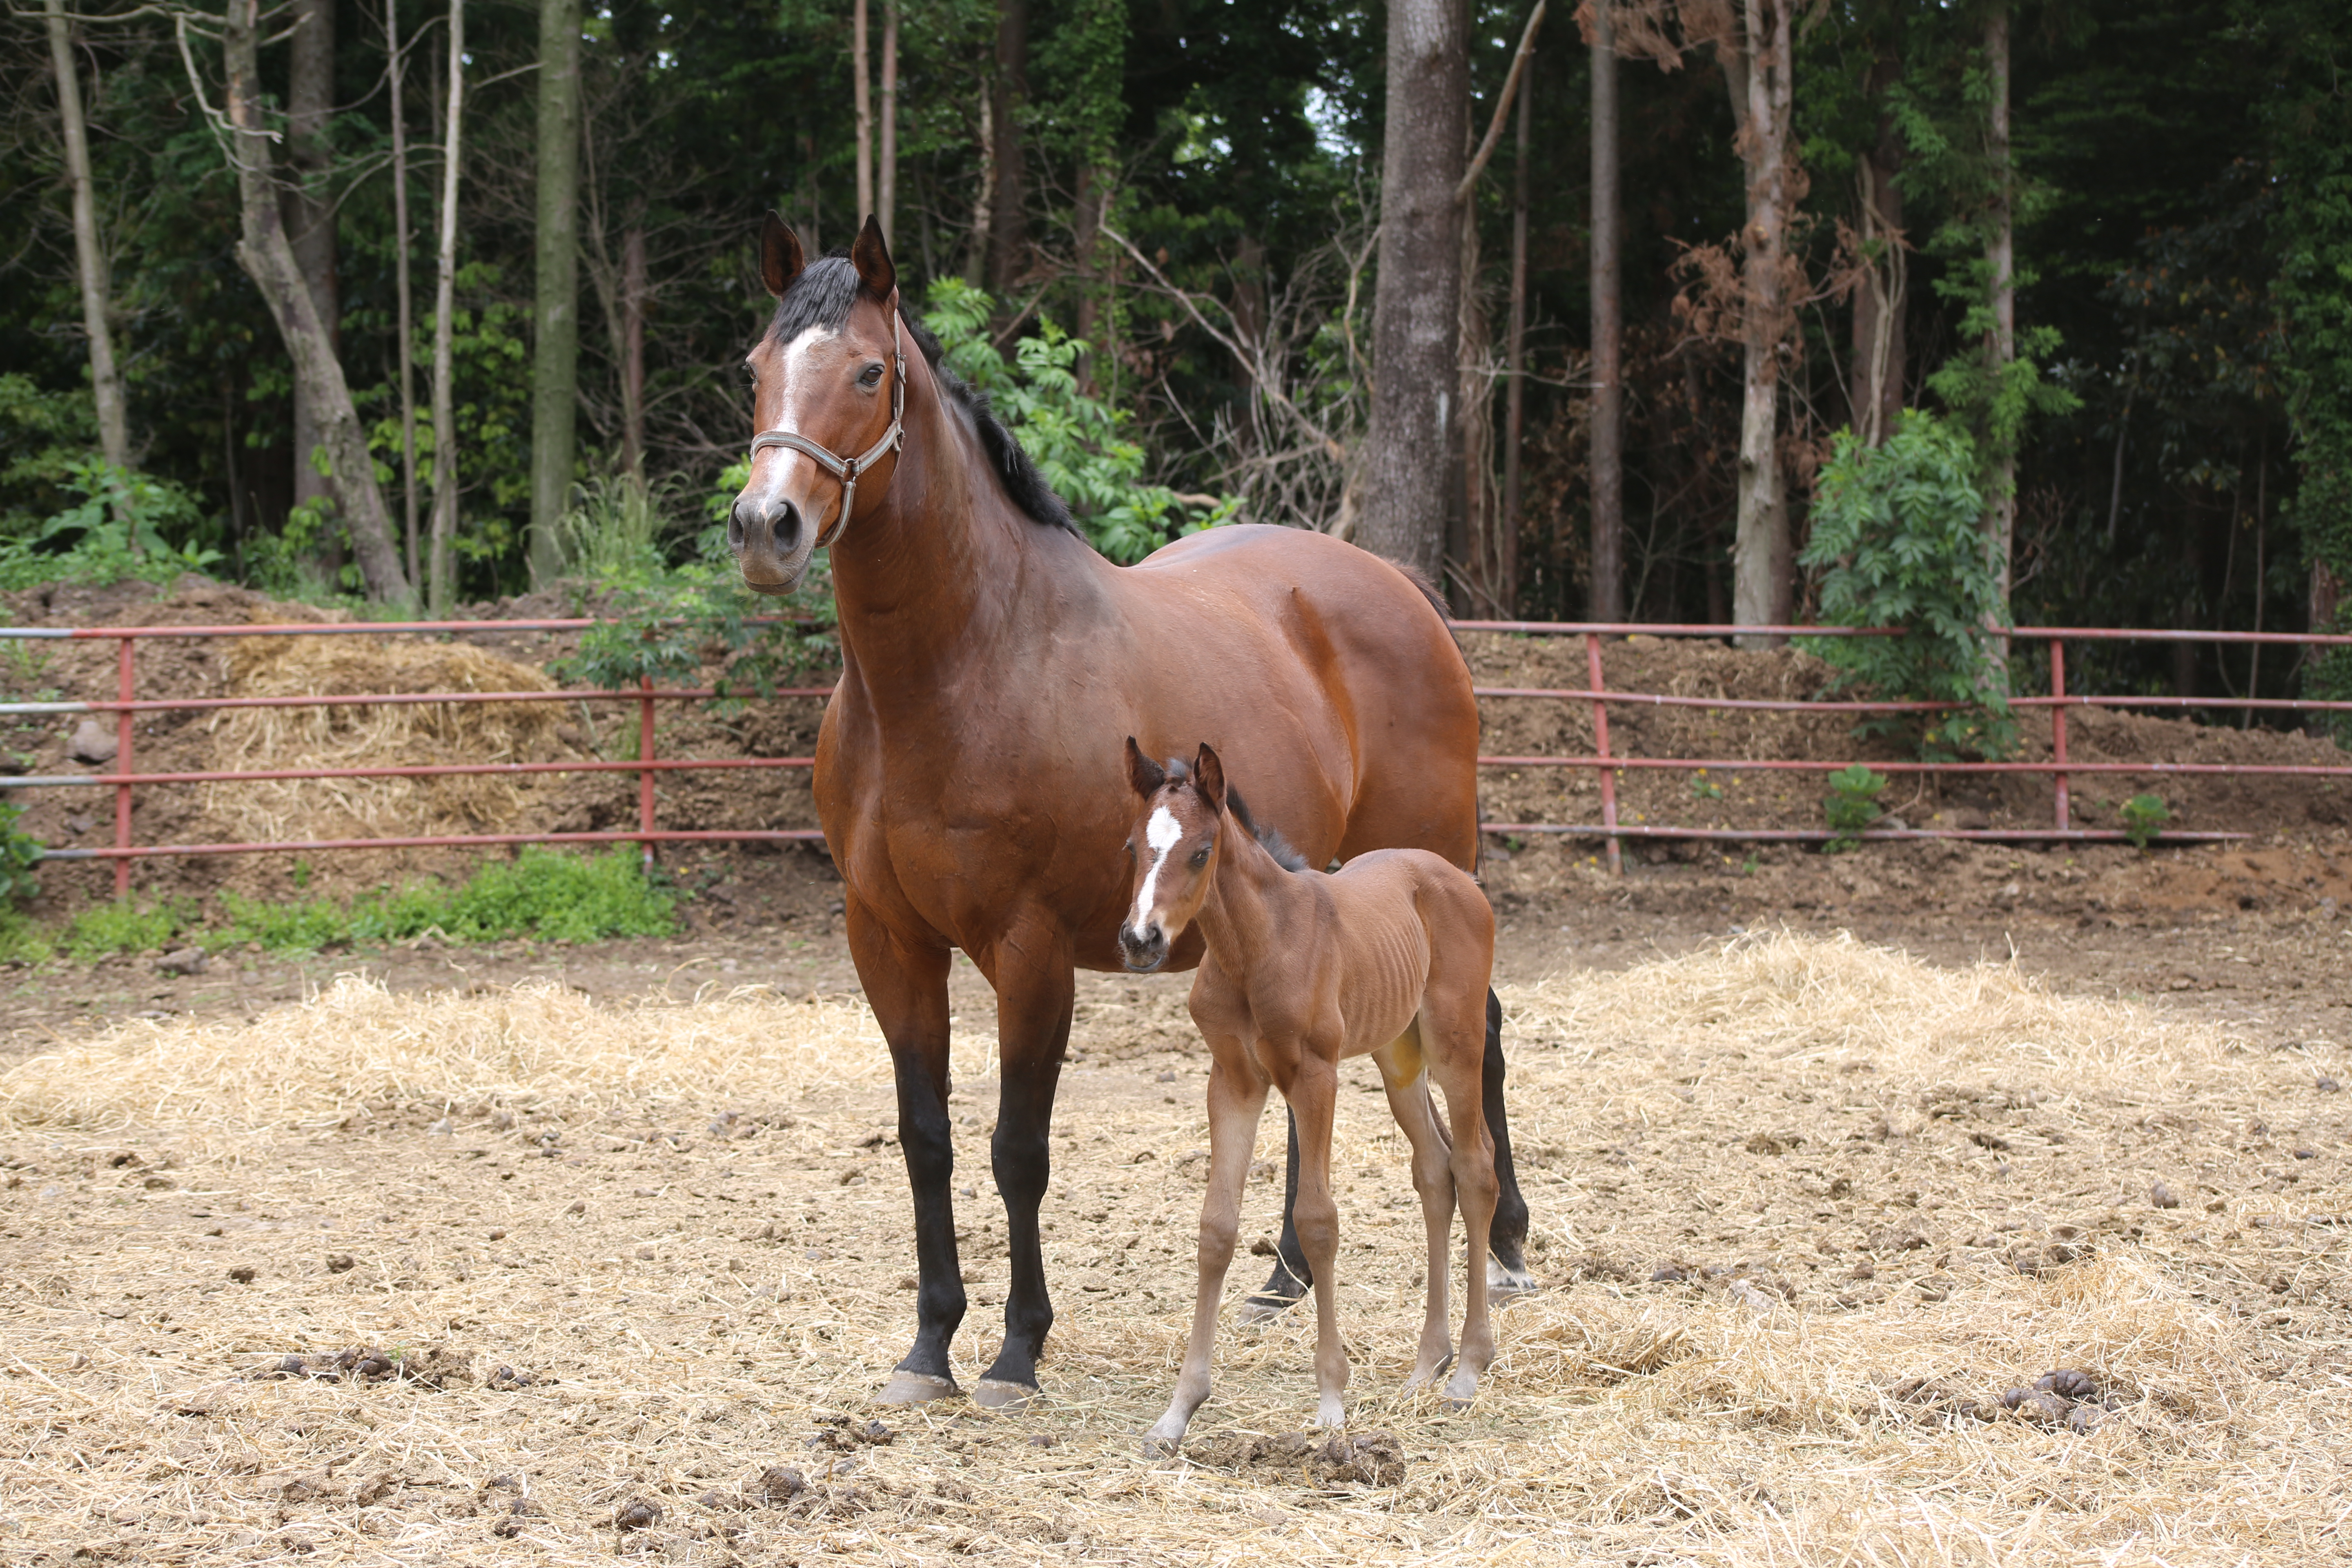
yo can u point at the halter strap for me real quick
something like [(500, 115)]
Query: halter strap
[(847, 469)]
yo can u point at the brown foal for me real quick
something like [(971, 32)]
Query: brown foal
[(1389, 958)]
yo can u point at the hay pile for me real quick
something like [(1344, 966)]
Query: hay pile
[(369, 736), (715, 1265)]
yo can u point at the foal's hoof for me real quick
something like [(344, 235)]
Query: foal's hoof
[(998, 1394), (915, 1388), (1504, 1282)]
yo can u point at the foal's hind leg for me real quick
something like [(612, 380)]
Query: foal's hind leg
[(1312, 1091), (1404, 1074), (1236, 1100), (1451, 1036)]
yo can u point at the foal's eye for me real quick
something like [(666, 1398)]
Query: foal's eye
[(1201, 857), (872, 378)]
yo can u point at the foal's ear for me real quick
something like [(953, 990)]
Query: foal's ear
[(1144, 774), (780, 255), (1209, 777), (871, 256)]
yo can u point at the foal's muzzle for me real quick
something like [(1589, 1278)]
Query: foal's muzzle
[(771, 544), (1143, 951)]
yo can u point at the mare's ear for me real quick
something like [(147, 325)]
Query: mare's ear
[(1144, 774), (871, 256), (780, 255), (1209, 777)]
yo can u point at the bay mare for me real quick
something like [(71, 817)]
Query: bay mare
[(967, 773)]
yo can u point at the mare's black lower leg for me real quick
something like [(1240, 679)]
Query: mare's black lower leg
[(1033, 1032), (1291, 1279), (1508, 1238), (925, 1136)]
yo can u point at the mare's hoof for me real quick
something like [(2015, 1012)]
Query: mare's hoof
[(1504, 1282), (998, 1394), (1262, 1309), (1454, 1405), (915, 1388), (1157, 1448)]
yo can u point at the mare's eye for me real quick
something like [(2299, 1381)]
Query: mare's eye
[(873, 376), (1200, 855)]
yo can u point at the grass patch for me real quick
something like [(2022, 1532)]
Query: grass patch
[(541, 894)]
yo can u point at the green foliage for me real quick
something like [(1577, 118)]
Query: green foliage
[(2144, 816), (19, 853), (613, 533), (1852, 804), (1895, 544), (92, 541), (542, 894), (1079, 443)]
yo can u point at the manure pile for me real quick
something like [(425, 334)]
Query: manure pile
[(528, 1277)]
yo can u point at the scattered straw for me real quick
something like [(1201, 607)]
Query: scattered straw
[(1806, 1209)]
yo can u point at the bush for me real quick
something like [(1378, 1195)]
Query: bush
[(2144, 816), (1852, 804), (1897, 542), (94, 542)]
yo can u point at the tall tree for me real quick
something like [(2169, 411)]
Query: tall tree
[(267, 256), (1008, 227), (441, 572), (403, 287), (309, 213), (861, 103), (1605, 600), (1877, 375), (886, 191), (1760, 64), (1515, 348), (1416, 299), (555, 351), (90, 255), (2001, 346)]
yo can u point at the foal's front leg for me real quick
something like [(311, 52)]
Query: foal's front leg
[(1236, 1100)]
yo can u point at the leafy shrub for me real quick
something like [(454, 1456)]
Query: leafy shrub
[(1078, 442), (2144, 816), (92, 541), (1896, 543), (123, 926), (19, 853), (613, 532), (1852, 803)]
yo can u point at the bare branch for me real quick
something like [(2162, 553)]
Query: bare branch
[(1502, 105)]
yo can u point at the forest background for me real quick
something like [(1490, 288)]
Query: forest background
[(1714, 301)]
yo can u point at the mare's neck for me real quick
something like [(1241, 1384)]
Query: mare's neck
[(1253, 903), (929, 575)]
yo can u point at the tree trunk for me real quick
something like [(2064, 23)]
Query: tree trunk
[(1008, 238), (984, 206), (885, 194), (2000, 502), (1879, 305), (861, 95), (1418, 295), (310, 217), (442, 572), (267, 256), (555, 356), (403, 287), (1515, 356), (97, 305), (1759, 70), (1605, 600), (632, 351)]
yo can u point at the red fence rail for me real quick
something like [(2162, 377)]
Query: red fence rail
[(1605, 763)]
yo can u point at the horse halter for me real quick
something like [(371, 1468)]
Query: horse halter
[(847, 469)]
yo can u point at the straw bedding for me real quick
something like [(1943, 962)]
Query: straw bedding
[(1806, 1209)]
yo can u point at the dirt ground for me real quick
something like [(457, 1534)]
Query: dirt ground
[(1804, 1214)]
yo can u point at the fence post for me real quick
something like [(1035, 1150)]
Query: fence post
[(1601, 749), (124, 684), (2058, 733), (645, 775)]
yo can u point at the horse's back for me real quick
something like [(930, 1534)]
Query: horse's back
[(1382, 658)]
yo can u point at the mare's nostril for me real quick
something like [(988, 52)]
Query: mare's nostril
[(737, 530), (788, 527)]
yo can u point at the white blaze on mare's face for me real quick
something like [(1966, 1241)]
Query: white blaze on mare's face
[(1161, 833), (796, 368)]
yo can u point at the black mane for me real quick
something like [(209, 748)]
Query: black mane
[(822, 296), (1275, 844)]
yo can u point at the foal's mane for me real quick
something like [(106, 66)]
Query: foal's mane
[(822, 296), (1180, 772)]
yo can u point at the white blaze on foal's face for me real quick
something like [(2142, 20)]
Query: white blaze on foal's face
[(1161, 837)]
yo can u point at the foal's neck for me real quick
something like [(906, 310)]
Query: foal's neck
[(1254, 900)]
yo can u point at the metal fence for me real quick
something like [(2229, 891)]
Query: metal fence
[(1607, 765)]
